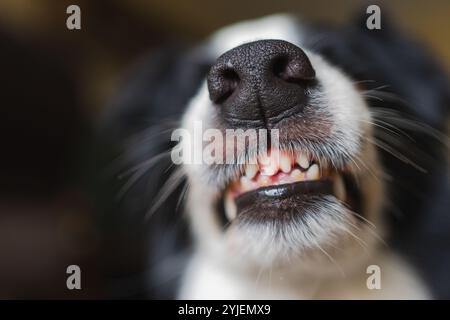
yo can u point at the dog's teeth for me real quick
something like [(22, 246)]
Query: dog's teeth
[(246, 184), (297, 174), (303, 160), (339, 188), (313, 172), (230, 207), (263, 181), (270, 169), (285, 164), (251, 170), (269, 164)]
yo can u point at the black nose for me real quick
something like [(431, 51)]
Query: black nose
[(264, 80)]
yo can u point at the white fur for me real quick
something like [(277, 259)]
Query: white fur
[(279, 27), (206, 279)]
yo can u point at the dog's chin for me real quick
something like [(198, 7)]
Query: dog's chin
[(310, 234)]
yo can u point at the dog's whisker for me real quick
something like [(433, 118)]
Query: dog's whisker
[(364, 81), (175, 179), (341, 270), (385, 125), (358, 240), (406, 122), (373, 97), (376, 89), (182, 196), (359, 216), (395, 153), (138, 172)]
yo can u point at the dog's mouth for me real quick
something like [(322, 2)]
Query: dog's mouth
[(282, 185)]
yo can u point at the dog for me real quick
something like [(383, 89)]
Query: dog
[(359, 188)]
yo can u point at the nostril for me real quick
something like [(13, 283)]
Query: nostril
[(231, 81), (279, 67), (292, 69), (222, 85)]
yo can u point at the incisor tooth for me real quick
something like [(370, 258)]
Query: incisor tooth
[(270, 169), (313, 172), (230, 207), (339, 188), (303, 160), (263, 180), (285, 164), (251, 170), (268, 164), (297, 174)]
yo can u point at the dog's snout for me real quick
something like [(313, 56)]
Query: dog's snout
[(261, 79)]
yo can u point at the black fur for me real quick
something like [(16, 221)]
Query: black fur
[(419, 88), (416, 86), (136, 129)]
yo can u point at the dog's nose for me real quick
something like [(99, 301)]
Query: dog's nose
[(262, 79)]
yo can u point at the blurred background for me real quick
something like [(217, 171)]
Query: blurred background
[(55, 85)]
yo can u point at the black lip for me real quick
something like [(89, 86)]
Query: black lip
[(283, 191), (291, 200)]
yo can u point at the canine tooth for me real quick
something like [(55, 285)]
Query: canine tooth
[(285, 164), (313, 172), (303, 160), (246, 184), (339, 188), (251, 170), (230, 207)]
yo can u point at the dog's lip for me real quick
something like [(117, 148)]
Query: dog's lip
[(278, 199), (278, 192), (290, 183)]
